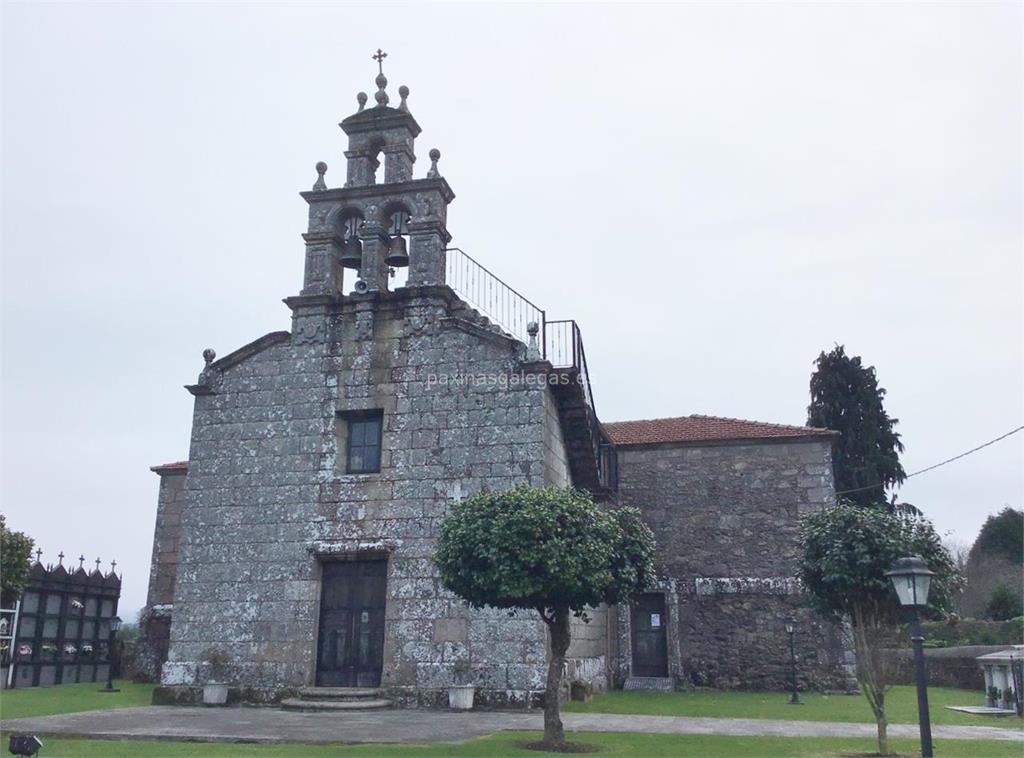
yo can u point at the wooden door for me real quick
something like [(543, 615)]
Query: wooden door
[(650, 647), (350, 650)]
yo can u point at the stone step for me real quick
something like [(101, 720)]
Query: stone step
[(339, 693), (298, 704), (650, 683)]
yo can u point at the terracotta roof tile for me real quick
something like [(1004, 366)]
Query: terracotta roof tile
[(703, 429), (170, 468)]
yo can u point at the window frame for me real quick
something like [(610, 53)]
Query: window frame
[(363, 417)]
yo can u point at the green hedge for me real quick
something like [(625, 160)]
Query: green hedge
[(972, 632)]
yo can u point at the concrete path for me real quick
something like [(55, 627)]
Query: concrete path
[(276, 726)]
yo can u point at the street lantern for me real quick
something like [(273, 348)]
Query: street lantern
[(794, 698), (115, 625), (911, 579)]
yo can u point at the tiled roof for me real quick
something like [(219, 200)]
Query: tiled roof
[(170, 468), (703, 429)]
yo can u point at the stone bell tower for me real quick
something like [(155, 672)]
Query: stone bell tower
[(373, 225)]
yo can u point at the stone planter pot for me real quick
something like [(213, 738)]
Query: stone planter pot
[(460, 697), (215, 693)]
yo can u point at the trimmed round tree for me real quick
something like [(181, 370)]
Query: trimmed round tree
[(847, 549), (550, 550)]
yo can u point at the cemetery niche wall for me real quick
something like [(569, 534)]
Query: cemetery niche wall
[(63, 632)]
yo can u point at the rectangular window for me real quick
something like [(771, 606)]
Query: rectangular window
[(363, 433)]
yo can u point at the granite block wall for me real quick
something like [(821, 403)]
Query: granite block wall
[(155, 620), (725, 517), (268, 499)]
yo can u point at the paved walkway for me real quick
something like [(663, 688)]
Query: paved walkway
[(276, 726)]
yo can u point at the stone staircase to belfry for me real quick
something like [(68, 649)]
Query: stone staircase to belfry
[(336, 699)]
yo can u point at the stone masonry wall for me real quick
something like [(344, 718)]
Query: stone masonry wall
[(725, 519), (268, 500), (587, 654), (155, 620)]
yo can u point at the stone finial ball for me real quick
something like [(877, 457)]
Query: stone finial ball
[(403, 91), (321, 167), (532, 328), (361, 98), (435, 154), (209, 354), (381, 81)]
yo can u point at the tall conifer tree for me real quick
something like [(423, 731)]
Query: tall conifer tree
[(845, 397)]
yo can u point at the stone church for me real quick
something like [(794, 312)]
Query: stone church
[(294, 547)]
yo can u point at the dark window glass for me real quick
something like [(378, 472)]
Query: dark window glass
[(53, 604), (30, 604), (364, 433)]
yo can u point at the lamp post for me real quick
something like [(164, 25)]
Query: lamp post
[(115, 624), (911, 579), (794, 698)]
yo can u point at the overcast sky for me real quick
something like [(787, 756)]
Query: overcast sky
[(716, 192)]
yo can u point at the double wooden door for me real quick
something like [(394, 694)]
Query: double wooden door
[(350, 649)]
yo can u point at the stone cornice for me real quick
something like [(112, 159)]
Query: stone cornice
[(323, 238), (247, 351), (380, 118), (437, 184)]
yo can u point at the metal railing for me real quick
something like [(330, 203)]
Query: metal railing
[(489, 295), (563, 347), (560, 342)]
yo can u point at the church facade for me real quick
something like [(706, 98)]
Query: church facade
[(293, 548)]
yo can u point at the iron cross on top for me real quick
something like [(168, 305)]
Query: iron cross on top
[(379, 57)]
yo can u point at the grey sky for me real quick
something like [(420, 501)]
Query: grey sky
[(716, 192)]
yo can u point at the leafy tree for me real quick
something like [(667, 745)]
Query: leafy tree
[(995, 558), (1002, 535), (15, 560), (846, 398), (549, 550), (847, 551), (1004, 604)]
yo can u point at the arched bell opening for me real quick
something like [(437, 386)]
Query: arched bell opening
[(397, 257), (373, 158), (351, 256)]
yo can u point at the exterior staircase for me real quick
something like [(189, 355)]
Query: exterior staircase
[(336, 699), (487, 303), (591, 456)]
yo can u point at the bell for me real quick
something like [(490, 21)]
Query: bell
[(397, 254), (352, 253)]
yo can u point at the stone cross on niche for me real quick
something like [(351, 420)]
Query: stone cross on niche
[(97, 564), (60, 558), (379, 57), (455, 491), (39, 554), (81, 560)]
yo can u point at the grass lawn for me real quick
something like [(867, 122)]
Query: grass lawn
[(84, 697), (901, 706), (507, 744), (70, 698)]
